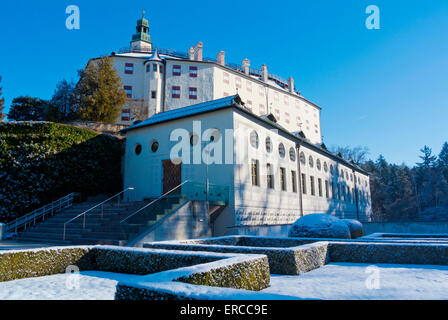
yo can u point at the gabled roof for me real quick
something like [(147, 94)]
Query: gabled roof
[(188, 111)]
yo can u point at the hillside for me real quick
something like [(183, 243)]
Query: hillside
[(42, 161)]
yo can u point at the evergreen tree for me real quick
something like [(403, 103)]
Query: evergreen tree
[(99, 92), (27, 109), (442, 160), (62, 106), (2, 102), (429, 160)]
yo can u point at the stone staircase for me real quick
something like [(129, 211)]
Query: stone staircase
[(102, 224)]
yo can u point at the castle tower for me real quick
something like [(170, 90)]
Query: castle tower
[(154, 79), (141, 40)]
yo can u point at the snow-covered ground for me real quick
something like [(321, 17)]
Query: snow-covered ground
[(86, 285), (330, 282), (356, 281)]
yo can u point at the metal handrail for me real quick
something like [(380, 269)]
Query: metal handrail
[(154, 201), (94, 207), (41, 212)]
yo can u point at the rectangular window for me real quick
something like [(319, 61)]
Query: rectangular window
[(176, 70), (255, 172), (262, 111), (238, 82), (269, 177), (129, 68), (125, 114), (339, 191), (327, 191), (294, 181), (286, 99), (248, 85), (303, 183), (261, 91), (148, 68), (193, 72), (153, 94), (313, 191), (128, 90), (193, 93), (277, 114), (283, 178), (249, 105), (333, 190), (286, 117), (319, 185), (226, 78), (175, 92), (154, 67), (161, 69)]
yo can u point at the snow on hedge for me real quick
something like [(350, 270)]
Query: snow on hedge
[(320, 226)]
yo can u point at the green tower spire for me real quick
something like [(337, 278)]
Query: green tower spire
[(142, 33)]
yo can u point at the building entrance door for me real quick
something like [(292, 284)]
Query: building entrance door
[(172, 175)]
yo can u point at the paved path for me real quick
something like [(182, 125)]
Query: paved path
[(17, 245)]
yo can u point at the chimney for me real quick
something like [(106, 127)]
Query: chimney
[(198, 51), (191, 53), (291, 84), (264, 73), (246, 65), (221, 58)]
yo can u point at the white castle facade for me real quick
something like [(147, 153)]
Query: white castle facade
[(279, 169)]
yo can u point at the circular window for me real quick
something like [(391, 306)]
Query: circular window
[(268, 145), (311, 161), (138, 148), (215, 135), (254, 139), (318, 165), (292, 154), (302, 158), (154, 146), (194, 139), (325, 166), (281, 150)]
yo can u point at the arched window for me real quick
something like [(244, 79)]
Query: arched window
[(302, 158), (311, 161), (292, 154), (318, 164), (325, 166)]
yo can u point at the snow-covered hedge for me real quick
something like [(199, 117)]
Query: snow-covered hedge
[(395, 253), (320, 226), (249, 272), (297, 258), (41, 262)]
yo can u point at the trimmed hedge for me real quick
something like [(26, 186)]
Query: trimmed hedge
[(43, 161), (36, 263), (293, 260)]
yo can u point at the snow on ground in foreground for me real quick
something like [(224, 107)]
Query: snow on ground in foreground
[(87, 285), (350, 281)]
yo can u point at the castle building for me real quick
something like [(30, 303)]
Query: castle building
[(230, 135), (158, 80)]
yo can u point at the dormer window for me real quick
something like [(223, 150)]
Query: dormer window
[(154, 67)]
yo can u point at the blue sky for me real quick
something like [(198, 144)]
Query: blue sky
[(385, 89)]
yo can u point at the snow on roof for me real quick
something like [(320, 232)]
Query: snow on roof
[(187, 111)]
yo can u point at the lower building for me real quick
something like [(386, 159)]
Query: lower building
[(262, 176)]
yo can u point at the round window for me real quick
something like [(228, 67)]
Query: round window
[(318, 164), (292, 154), (302, 158), (311, 161), (281, 150), (254, 139), (138, 148), (325, 166), (154, 146), (194, 139), (268, 145), (215, 135)]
